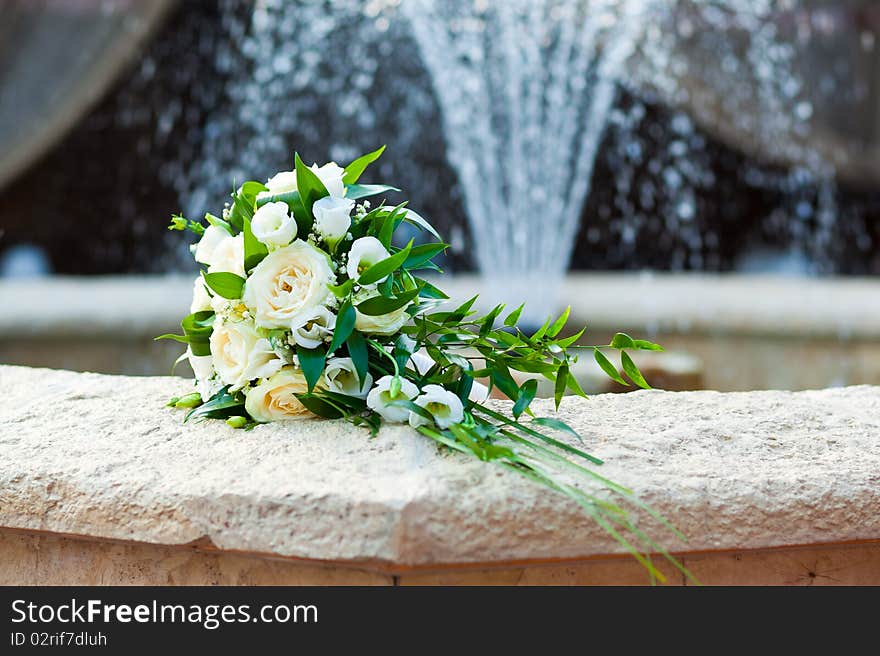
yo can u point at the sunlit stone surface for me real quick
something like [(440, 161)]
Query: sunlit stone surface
[(100, 457)]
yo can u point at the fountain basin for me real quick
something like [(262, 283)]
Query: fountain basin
[(102, 484), (745, 332)]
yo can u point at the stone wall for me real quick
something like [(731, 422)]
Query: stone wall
[(96, 471)]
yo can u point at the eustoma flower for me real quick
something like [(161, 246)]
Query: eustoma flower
[(364, 253), (332, 218), (273, 225), (444, 406), (381, 398)]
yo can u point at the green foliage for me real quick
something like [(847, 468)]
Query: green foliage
[(311, 361), (354, 170), (228, 285), (254, 249), (197, 329)]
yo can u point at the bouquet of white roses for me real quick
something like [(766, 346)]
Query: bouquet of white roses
[(305, 306)]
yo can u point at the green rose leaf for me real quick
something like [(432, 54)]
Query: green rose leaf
[(354, 170), (321, 407), (228, 285), (357, 351), (311, 361), (254, 249)]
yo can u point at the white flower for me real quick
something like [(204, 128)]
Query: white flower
[(423, 364), (379, 399), (273, 225), (228, 256), (201, 300), (330, 176), (312, 332), (364, 253), (274, 399), (383, 324), (208, 243), (340, 375), (286, 289), (445, 406), (280, 183), (332, 217), (240, 355), (207, 384)]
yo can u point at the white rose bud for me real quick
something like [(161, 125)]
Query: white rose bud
[(273, 225), (312, 333), (201, 300), (274, 399), (332, 218), (380, 399), (208, 243), (330, 176), (289, 286), (340, 375), (445, 406), (364, 253), (240, 355), (280, 183), (228, 256)]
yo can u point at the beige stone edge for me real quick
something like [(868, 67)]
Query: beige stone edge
[(853, 562)]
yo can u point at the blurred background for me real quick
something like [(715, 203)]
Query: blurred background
[(704, 173)]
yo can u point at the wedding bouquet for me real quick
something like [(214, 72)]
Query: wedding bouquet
[(307, 306)]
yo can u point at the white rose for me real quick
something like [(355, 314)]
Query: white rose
[(332, 217), (383, 324), (273, 225), (311, 334), (228, 256), (240, 355), (340, 375), (330, 176), (364, 253), (274, 399), (286, 289), (280, 183), (208, 243), (379, 399), (201, 300), (445, 406), (423, 364)]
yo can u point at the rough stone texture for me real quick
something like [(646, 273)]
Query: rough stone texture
[(98, 455)]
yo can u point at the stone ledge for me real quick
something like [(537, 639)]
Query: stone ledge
[(99, 456)]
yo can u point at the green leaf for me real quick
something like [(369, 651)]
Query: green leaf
[(527, 393), (197, 328), (421, 254), (311, 361), (379, 305), (358, 191), (354, 170), (430, 291), (622, 341), (220, 406), (559, 324), (556, 424), (645, 345), (574, 386), (344, 325), (421, 222), (254, 249), (513, 317), (633, 371), (357, 351), (308, 184), (385, 267), (343, 290), (609, 369), (320, 406), (559, 387), (228, 285)]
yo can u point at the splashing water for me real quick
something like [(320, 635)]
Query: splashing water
[(525, 89)]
